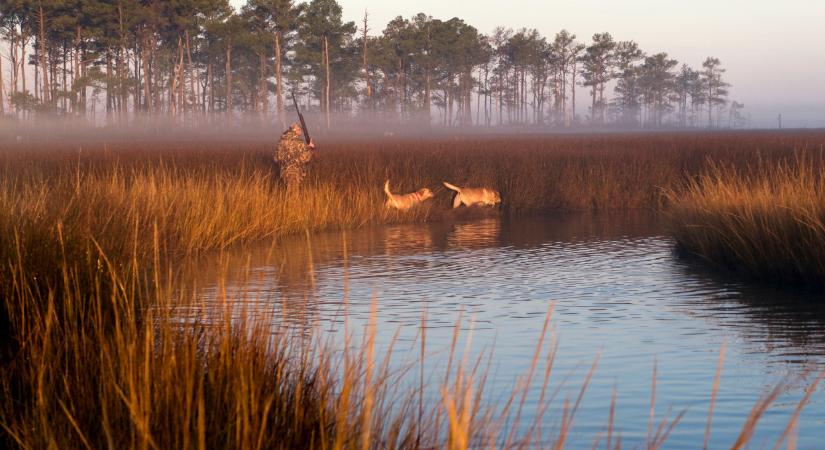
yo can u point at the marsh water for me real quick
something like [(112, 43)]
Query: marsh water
[(619, 291)]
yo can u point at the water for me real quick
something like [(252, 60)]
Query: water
[(618, 290)]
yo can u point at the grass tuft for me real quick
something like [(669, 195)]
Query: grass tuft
[(766, 221)]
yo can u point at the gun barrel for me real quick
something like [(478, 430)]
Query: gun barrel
[(301, 118)]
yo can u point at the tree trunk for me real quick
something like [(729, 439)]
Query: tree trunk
[(500, 91), (137, 77), (43, 65), (211, 81), (156, 77), (177, 100), (119, 84), (173, 86), (191, 73), (279, 96), (13, 81), (522, 98), (487, 94), (593, 106), (147, 76), (182, 97), (449, 89), (326, 66), (108, 86), (2, 87), (251, 99), (524, 94), (514, 108), (64, 106), (52, 66), (37, 79), (459, 118), (447, 104), (366, 64), (13, 71), (469, 96), (121, 69), (229, 81), (76, 72), (478, 103), (572, 118), (404, 99), (202, 93), (428, 96), (23, 42), (83, 92), (710, 101), (398, 87), (263, 88), (563, 82)]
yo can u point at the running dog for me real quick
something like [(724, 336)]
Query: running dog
[(405, 201), (474, 196)]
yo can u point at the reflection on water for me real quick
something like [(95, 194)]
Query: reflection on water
[(618, 289)]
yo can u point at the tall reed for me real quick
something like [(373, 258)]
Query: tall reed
[(198, 196), (767, 222)]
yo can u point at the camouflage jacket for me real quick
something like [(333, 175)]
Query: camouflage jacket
[(292, 149)]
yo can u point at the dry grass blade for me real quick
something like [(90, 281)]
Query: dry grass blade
[(422, 356), (567, 423), (369, 394), (74, 425), (792, 438), (528, 380), (611, 418), (756, 413), (450, 360), (793, 422), (664, 429), (16, 437), (542, 404), (652, 415), (714, 391)]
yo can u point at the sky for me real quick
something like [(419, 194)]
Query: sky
[(773, 50)]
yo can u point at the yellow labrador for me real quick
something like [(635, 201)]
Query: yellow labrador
[(403, 202), (474, 196)]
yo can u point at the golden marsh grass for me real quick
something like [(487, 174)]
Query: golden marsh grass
[(93, 379), (92, 359), (767, 222)]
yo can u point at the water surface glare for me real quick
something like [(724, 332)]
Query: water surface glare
[(618, 289)]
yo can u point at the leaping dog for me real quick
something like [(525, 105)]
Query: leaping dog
[(474, 196), (403, 202)]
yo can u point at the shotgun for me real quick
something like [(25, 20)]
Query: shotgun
[(301, 117)]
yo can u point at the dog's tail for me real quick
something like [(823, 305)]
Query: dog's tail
[(387, 188), (450, 186)]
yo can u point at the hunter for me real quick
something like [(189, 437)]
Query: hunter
[(292, 155)]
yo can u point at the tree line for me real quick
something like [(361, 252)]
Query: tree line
[(195, 61)]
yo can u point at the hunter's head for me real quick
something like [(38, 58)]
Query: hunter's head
[(296, 128)]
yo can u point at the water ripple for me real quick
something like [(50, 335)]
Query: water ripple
[(617, 286)]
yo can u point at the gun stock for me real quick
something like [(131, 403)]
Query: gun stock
[(301, 118)]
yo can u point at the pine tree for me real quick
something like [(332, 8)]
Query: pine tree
[(325, 51), (627, 89), (716, 91), (598, 63), (657, 82)]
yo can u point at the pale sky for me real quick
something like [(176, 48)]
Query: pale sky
[(773, 50)]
